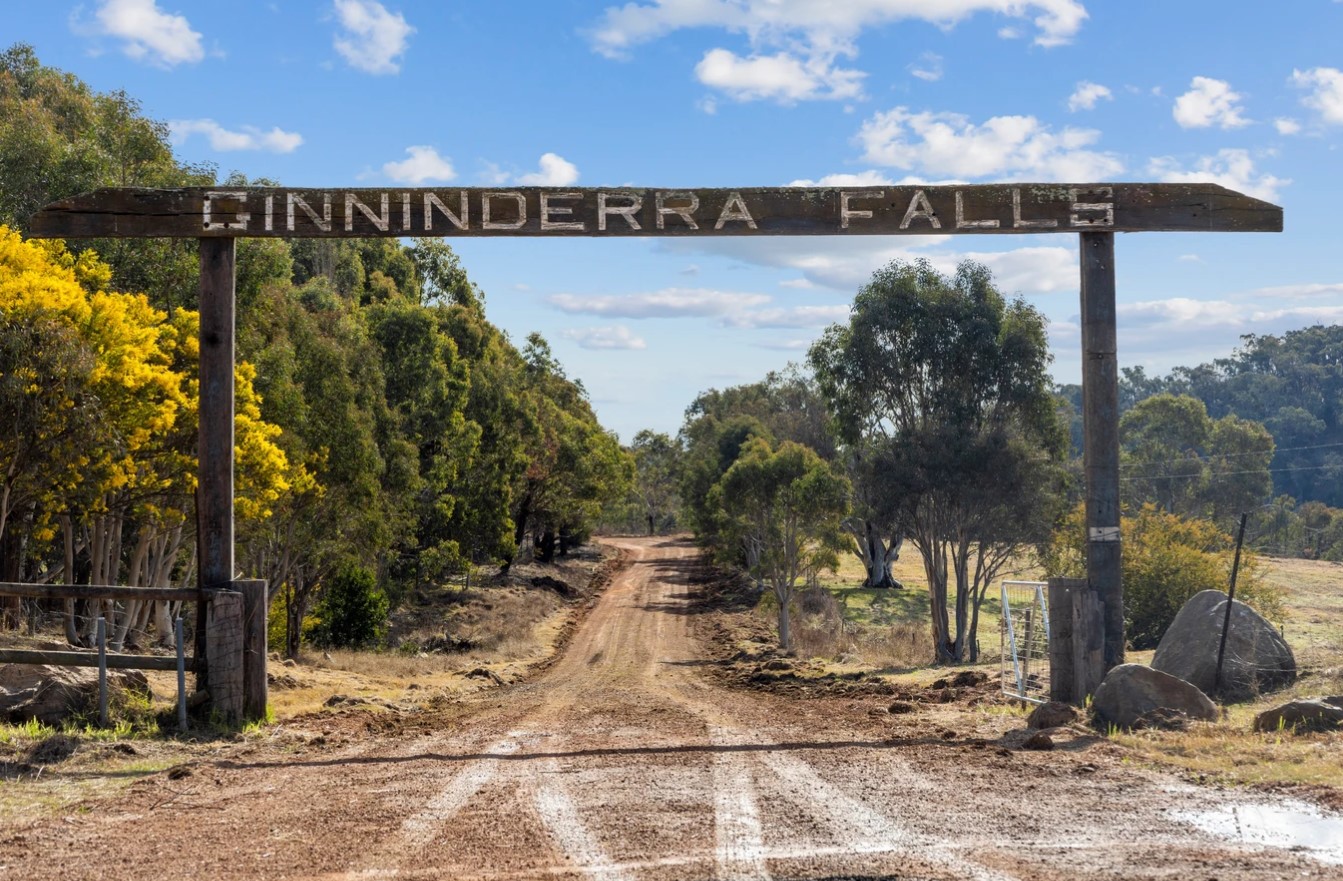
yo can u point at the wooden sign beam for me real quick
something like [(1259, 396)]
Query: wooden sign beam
[(987, 209)]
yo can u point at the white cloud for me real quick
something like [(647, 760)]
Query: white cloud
[(1326, 96), (868, 178), (666, 303), (605, 338), (1085, 96), (949, 144), (928, 68), (795, 316), (149, 33), (1182, 311), (277, 140), (421, 166), (371, 38), (1209, 102), (786, 345), (1301, 291), (782, 77), (1232, 168), (804, 284), (1287, 126), (1190, 258), (821, 25), (554, 171)]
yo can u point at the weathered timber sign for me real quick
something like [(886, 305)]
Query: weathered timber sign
[(202, 212), (219, 215)]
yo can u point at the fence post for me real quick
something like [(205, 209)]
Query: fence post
[(181, 674), (224, 648), (102, 671), (254, 648), (1061, 637), (1089, 660)]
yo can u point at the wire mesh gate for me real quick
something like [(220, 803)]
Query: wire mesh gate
[(1024, 631)]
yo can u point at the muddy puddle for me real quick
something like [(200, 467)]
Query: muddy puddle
[(1291, 825)]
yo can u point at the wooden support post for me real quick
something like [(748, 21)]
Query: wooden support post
[(215, 498), (1061, 592), (1088, 642), (254, 648), (1100, 433), (224, 645)]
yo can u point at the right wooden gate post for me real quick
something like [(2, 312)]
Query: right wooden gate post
[(1100, 438)]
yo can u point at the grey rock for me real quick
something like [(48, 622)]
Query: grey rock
[(1300, 716), (52, 694), (1257, 658), (1131, 691)]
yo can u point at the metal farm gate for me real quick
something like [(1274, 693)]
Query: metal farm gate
[(1024, 631)]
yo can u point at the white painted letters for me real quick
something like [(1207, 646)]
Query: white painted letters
[(735, 209), (685, 212), (1106, 208), (919, 206), (547, 210), (1018, 223), (241, 218), (459, 220), (486, 223), (962, 223), (626, 211), (382, 222), (846, 213), (323, 223)]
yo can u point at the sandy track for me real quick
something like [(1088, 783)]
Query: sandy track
[(623, 762)]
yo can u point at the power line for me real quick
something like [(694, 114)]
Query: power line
[(1228, 473), (1197, 458)]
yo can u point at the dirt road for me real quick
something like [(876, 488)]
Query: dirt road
[(623, 761)]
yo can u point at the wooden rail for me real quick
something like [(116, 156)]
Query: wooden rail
[(96, 592), (90, 659)]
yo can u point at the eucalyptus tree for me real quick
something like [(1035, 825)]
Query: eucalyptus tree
[(942, 382)]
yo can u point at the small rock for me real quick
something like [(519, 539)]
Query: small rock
[(1053, 714), (899, 707), (1301, 716), (1039, 741)]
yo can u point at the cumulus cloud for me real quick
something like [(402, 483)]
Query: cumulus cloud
[(605, 338), (820, 24), (870, 178), (422, 165), (1085, 96), (1287, 126), (554, 171), (1326, 92), (796, 45), (1301, 291), (1208, 103), (949, 144), (789, 317), (148, 33), (248, 137), (371, 39), (782, 77), (666, 303), (1232, 168)]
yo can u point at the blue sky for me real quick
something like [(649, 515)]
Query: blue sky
[(677, 93)]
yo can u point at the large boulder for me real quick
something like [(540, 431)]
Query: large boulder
[(52, 694), (1298, 716), (1132, 691), (1257, 658)]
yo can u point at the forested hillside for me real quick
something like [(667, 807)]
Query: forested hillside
[(384, 424)]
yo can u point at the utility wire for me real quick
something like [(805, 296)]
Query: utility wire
[(1223, 474), (1275, 451)]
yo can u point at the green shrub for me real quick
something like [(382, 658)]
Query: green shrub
[(1166, 559), (354, 609)]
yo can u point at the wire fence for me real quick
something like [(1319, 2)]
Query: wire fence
[(1024, 633)]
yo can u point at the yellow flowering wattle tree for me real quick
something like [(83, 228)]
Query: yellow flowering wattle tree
[(98, 398)]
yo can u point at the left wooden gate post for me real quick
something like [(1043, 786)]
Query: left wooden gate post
[(215, 492)]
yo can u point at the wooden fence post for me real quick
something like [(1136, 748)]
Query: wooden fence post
[(254, 622), (1088, 642), (1061, 591), (224, 646)]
